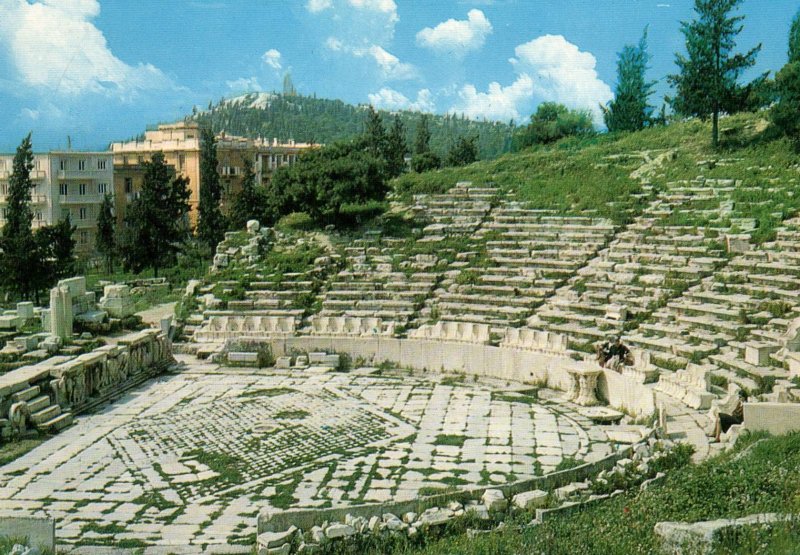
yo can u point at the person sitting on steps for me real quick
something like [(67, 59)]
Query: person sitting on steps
[(614, 354)]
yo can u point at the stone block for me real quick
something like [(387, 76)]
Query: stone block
[(528, 500), (339, 531), (253, 226), (25, 310), (10, 322), (494, 500), (243, 357), (284, 362), (757, 354)]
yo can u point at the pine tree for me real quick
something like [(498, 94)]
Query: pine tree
[(794, 39), (630, 111), (17, 263), (708, 80), (210, 221), (464, 152), (155, 223), (396, 149), (422, 140), (375, 134), (106, 233), (249, 203)]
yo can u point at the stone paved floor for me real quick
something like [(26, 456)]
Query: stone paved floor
[(191, 458)]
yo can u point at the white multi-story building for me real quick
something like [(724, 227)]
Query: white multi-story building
[(66, 183)]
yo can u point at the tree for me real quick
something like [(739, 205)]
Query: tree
[(18, 261), (155, 223), (375, 134), (464, 152), (55, 258), (552, 122), (210, 221), (325, 181), (396, 149), (630, 111), (707, 84), (794, 39), (424, 159), (422, 140), (249, 203), (106, 233)]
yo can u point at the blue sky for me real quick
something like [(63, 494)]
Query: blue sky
[(102, 70)]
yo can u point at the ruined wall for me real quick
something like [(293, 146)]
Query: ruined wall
[(45, 396), (504, 362)]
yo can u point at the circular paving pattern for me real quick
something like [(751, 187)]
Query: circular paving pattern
[(192, 458)]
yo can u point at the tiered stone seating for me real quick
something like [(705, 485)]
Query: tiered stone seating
[(690, 386), (379, 282), (739, 318), (528, 253), (465, 332), (644, 267), (221, 326), (458, 212), (350, 327)]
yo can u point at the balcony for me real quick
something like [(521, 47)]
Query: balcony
[(36, 175), (81, 199), (35, 199), (87, 174)]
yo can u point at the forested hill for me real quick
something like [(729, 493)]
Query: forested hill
[(320, 120)]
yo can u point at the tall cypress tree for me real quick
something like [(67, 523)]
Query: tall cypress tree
[(19, 253), (106, 236), (424, 158), (249, 203), (155, 228), (210, 221), (375, 134), (794, 39), (630, 111), (708, 80), (396, 148)]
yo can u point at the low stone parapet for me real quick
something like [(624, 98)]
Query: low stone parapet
[(349, 326), (690, 386), (467, 332), (221, 326)]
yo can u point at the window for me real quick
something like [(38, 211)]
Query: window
[(181, 161), (38, 215), (84, 238), (63, 189), (101, 164), (4, 189), (102, 188), (82, 189), (82, 214), (81, 165), (128, 185), (62, 164)]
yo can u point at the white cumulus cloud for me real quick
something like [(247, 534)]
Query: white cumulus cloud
[(387, 7), (244, 84), (53, 46), (390, 66), (549, 68), (390, 99), (561, 72), (498, 103), (457, 37), (272, 58), (315, 6)]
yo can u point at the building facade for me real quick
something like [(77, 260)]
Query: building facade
[(66, 183), (180, 144)]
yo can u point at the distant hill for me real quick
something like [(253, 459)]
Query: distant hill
[(320, 120)]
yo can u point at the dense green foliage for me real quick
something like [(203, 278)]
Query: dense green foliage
[(318, 120), (250, 203), (708, 79), (325, 180), (155, 224), (794, 39), (785, 114), (30, 262), (552, 122), (107, 233), (424, 159), (210, 221), (464, 152), (630, 111)]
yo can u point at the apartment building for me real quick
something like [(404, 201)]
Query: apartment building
[(180, 144), (70, 183)]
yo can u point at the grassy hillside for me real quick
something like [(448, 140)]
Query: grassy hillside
[(321, 120), (594, 174)]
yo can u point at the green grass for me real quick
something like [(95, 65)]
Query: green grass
[(12, 450), (450, 439), (759, 476)]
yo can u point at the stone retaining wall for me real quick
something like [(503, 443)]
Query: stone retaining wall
[(513, 364), (46, 395)]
